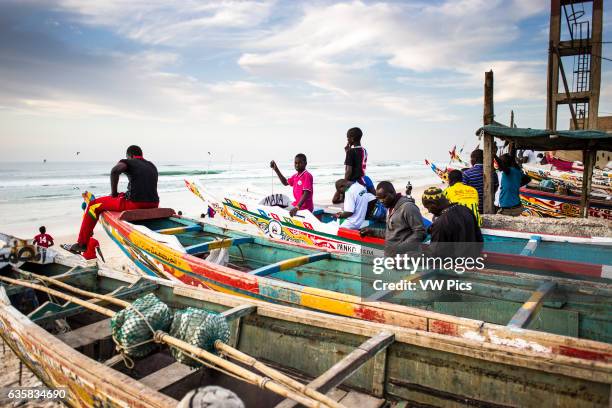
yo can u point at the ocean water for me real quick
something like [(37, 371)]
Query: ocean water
[(34, 194)]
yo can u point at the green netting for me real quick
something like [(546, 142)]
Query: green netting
[(130, 330), (199, 328)]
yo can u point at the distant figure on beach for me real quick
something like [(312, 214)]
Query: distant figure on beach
[(356, 201), (356, 160), (141, 193), (404, 229), (473, 176), (43, 239), (509, 186), (453, 226), (459, 193), (302, 183)]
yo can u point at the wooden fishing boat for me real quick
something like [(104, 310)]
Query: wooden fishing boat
[(550, 204), (537, 251), (547, 204), (356, 363), (173, 247)]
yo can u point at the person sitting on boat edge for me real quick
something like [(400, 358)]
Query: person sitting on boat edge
[(356, 200), (454, 232), (43, 239), (356, 160), (459, 193), (141, 193), (509, 186), (404, 229), (302, 183)]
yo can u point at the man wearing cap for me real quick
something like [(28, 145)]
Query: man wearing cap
[(454, 227)]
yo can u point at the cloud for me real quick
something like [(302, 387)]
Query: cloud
[(175, 23)]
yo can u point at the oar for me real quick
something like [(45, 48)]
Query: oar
[(162, 337), (219, 345)]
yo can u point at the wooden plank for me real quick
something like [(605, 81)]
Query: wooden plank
[(87, 334), (180, 230), (221, 243), (530, 308), (358, 399), (239, 311), (531, 245), (290, 263), (344, 368), (167, 376)]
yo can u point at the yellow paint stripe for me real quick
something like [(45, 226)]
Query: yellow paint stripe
[(319, 299)]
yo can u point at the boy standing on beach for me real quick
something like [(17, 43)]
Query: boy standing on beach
[(141, 193), (302, 183), (43, 239)]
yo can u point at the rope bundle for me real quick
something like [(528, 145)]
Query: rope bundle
[(199, 328)]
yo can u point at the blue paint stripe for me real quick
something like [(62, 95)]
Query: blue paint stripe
[(203, 247), (290, 263), (531, 245)]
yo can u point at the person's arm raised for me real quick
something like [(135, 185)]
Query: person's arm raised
[(282, 178), (114, 177)]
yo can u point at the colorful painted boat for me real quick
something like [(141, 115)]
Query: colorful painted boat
[(549, 254), (178, 248), (540, 203), (358, 363), (601, 182)]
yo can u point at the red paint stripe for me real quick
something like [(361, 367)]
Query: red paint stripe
[(545, 264), (583, 354), (442, 327), (371, 314), (354, 235)]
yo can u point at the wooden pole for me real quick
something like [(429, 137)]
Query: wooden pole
[(162, 337), (488, 142), (595, 74), (552, 83), (588, 161)]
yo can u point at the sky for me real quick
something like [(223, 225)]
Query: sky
[(259, 80)]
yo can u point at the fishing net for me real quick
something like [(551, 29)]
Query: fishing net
[(199, 328), (132, 333)]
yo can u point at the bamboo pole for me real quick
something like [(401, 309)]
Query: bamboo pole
[(275, 374), (231, 351), (162, 337)]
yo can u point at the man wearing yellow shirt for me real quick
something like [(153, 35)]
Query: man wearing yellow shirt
[(459, 193)]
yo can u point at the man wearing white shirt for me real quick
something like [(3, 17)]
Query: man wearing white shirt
[(356, 199)]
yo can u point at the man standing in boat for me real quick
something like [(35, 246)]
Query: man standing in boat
[(302, 183), (473, 176), (404, 230), (459, 193), (356, 160), (141, 193)]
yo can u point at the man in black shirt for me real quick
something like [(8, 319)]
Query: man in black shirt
[(356, 160), (455, 231), (141, 193)]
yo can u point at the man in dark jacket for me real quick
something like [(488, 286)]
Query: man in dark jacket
[(404, 229), (455, 231), (141, 193)]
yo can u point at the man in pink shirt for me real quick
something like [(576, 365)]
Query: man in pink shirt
[(302, 183)]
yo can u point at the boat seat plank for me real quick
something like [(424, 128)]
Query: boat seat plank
[(361, 400), (146, 214), (217, 244), (87, 334), (346, 367), (180, 230), (290, 263), (238, 312), (531, 246), (531, 307), (168, 376)]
